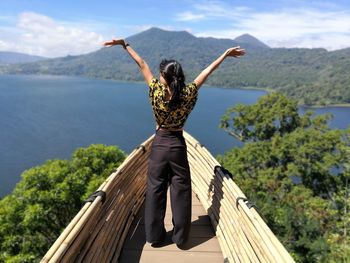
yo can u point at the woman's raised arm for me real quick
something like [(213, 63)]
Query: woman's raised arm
[(231, 52), (147, 74)]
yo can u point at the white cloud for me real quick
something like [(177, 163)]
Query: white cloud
[(219, 9), (189, 16), (210, 10), (38, 34), (3, 45), (279, 28)]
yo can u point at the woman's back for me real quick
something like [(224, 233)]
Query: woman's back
[(172, 118)]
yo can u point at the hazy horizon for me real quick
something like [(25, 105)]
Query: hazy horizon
[(71, 28)]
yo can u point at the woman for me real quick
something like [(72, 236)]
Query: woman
[(172, 101)]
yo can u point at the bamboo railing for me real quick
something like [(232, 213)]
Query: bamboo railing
[(242, 234), (98, 231)]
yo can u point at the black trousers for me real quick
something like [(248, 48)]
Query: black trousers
[(168, 165)]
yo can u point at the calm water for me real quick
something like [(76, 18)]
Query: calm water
[(48, 117)]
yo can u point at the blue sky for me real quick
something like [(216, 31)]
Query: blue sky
[(58, 28)]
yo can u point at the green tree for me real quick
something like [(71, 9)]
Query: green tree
[(295, 168), (270, 115), (48, 197)]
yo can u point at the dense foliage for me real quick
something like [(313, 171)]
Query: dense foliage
[(312, 76), (297, 170), (48, 197)]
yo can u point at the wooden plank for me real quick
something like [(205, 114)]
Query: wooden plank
[(199, 215), (202, 245), (196, 231), (135, 256), (196, 220), (196, 210), (194, 244), (195, 200)]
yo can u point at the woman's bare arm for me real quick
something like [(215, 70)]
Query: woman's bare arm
[(145, 70), (231, 52)]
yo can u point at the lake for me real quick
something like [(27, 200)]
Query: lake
[(48, 117)]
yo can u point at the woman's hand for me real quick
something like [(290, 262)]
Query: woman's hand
[(115, 42), (231, 52), (235, 52), (139, 61)]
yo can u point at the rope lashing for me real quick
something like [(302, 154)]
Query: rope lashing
[(221, 170), (93, 196), (248, 203), (198, 144), (143, 148)]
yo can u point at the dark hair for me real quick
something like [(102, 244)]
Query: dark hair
[(171, 71)]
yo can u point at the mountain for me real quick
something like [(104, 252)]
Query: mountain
[(247, 39), (14, 57), (313, 76)]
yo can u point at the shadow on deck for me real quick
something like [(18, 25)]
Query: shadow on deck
[(202, 245)]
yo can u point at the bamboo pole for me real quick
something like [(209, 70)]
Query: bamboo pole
[(218, 216), (65, 233), (277, 250), (196, 171), (69, 234), (224, 216), (222, 189), (124, 182), (130, 187), (257, 237)]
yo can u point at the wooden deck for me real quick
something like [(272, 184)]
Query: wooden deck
[(202, 245)]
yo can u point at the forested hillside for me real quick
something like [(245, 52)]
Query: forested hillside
[(312, 76)]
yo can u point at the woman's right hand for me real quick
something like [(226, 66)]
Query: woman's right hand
[(235, 52), (114, 42)]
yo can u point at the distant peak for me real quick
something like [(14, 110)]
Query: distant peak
[(157, 29), (250, 40), (156, 32)]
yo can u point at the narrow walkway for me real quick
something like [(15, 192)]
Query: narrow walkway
[(202, 245)]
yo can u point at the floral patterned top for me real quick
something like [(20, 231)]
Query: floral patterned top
[(178, 116)]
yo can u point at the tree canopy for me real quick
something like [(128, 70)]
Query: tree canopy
[(296, 169), (48, 197)]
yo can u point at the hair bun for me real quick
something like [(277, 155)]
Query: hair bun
[(171, 71)]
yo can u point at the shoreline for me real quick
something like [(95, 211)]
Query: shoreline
[(340, 105), (268, 90)]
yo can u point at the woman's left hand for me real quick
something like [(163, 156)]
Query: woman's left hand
[(235, 52), (114, 42)]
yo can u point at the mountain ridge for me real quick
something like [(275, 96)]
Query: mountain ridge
[(313, 76), (10, 57)]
